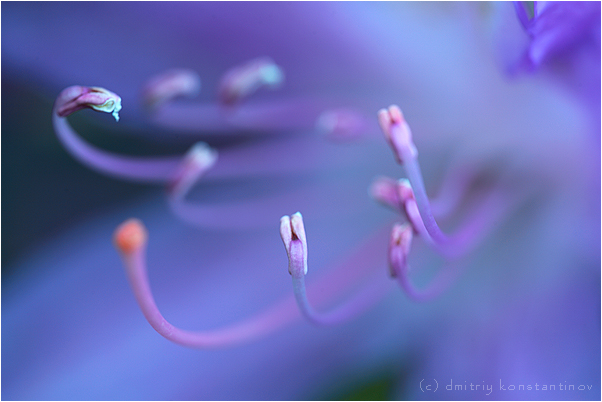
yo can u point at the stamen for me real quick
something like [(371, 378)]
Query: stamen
[(198, 160), (388, 191), (342, 124), (398, 135), (242, 81), (524, 13), (130, 239), (399, 249), (76, 98), (263, 118), (262, 161), (418, 208), (292, 233), (174, 83), (393, 193)]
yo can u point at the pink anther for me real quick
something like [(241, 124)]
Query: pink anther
[(398, 133), (171, 84), (78, 97), (241, 81)]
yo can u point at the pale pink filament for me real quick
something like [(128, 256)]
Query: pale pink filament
[(130, 240), (140, 169), (414, 203), (399, 248), (399, 136), (293, 236)]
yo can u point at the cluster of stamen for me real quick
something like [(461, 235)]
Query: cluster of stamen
[(180, 173), (408, 196)]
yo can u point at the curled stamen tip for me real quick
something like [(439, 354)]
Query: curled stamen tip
[(292, 233), (130, 236), (79, 97), (341, 124), (174, 83), (399, 247), (241, 81)]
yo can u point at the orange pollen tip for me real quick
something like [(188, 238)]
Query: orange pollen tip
[(130, 236)]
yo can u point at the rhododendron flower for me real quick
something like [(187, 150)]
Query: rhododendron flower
[(430, 169)]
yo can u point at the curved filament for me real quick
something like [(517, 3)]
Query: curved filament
[(292, 232), (131, 168), (130, 239)]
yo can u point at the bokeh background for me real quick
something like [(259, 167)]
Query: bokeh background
[(527, 310)]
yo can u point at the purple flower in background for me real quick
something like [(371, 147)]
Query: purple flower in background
[(557, 28), (237, 115)]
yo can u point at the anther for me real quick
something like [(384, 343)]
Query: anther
[(130, 240), (399, 136), (398, 133), (174, 83), (130, 236), (242, 81), (78, 97), (292, 233), (198, 160), (384, 190), (399, 248)]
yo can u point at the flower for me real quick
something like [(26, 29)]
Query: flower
[(71, 329), (559, 27)]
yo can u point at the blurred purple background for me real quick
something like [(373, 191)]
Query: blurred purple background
[(527, 311)]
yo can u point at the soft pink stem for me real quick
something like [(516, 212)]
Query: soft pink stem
[(261, 118), (445, 278), (143, 169), (130, 239), (292, 232)]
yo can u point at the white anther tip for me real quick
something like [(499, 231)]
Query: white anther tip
[(117, 109), (286, 233), (404, 182), (111, 105), (202, 155), (272, 75), (297, 225), (384, 121), (292, 233), (404, 190)]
